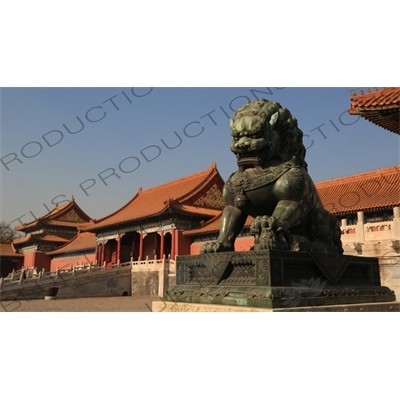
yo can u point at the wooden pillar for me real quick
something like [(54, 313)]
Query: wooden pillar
[(97, 253), (396, 221), (119, 248), (173, 244), (360, 227), (176, 242), (162, 245), (103, 252), (141, 246)]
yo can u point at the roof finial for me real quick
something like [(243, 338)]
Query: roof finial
[(140, 189), (72, 198), (361, 91), (213, 165)]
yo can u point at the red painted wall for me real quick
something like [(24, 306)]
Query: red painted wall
[(66, 262), (241, 244), (244, 243), (149, 245), (42, 261), (37, 259), (29, 259), (183, 244)]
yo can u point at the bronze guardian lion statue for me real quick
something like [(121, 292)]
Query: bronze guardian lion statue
[(273, 186)]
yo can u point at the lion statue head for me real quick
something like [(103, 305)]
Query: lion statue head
[(262, 131)]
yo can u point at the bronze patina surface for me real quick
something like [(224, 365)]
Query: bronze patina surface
[(297, 260), (273, 186), (278, 279)]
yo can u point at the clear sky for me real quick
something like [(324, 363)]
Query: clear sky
[(100, 144)]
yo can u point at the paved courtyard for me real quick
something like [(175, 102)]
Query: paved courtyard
[(91, 304)]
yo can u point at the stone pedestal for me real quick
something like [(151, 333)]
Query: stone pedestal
[(166, 306), (278, 280)]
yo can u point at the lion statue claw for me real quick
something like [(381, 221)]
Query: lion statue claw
[(270, 234), (273, 186)]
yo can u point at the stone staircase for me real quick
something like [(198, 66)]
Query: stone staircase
[(148, 277)]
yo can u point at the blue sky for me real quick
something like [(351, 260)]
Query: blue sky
[(129, 125)]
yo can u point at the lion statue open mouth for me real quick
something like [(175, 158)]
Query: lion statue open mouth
[(273, 186)]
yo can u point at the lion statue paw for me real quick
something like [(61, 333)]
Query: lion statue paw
[(270, 233), (215, 247)]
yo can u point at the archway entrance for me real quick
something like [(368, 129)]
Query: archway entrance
[(110, 253), (130, 243), (151, 245), (167, 244)]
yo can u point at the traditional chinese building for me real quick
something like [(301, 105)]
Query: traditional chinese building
[(177, 217), (47, 233), (10, 259), (366, 204), (80, 250), (381, 107), (152, 223)]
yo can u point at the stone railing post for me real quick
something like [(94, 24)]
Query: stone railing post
[(164, 278), (396, 222), (360, 227), (161, 278), (21, 279)]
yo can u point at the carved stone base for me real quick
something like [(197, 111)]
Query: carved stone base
[(277, 280), (166, 306), (163, 306)]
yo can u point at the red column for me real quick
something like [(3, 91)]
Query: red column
[(173, 239), (141, 245), (162, 245), (103, 252), (97, 252), (118, 248), (176, 242)]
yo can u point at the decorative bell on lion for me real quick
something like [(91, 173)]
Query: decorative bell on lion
[(240, 200)]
